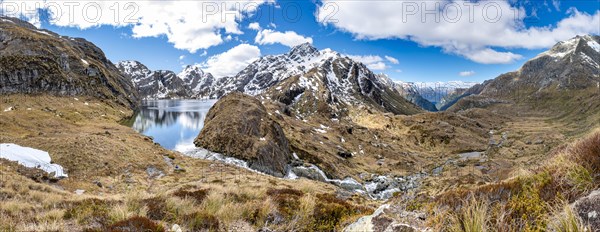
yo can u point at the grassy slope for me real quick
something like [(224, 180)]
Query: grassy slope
[(532, 200), (87, 140)]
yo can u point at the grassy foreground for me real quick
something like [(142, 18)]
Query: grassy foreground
[(110, 162), (535, 199)]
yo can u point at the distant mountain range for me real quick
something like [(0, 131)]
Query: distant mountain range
[(266, 72)]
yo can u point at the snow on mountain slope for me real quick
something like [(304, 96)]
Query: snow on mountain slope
[(570, 64), (270, 70), (343, 77), (409, 92), (201, 84), (436, 91), (157, 84), (569, 68), (328, 83)]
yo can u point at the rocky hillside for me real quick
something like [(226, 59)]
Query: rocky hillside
[(40, 61), (342, 124), (563, 82), (569, 65)]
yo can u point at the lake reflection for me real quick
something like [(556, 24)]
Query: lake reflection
[(174, 124)]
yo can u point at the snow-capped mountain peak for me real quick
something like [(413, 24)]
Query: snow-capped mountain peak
[(303, 50), (572, 46), (190, 71), (163, 83), (134, 69)]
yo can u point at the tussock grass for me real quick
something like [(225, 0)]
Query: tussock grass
[(527, 201), (566, 220), (473, 217)]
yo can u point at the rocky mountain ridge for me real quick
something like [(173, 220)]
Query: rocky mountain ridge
[(255, 79), (192, 82), (569, 65)]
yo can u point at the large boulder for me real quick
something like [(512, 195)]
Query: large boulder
[(238, 125)]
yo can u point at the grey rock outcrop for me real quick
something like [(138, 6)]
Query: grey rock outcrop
[(238, 125)]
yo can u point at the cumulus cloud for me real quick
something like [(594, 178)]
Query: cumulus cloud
[(392, 60), (186, 29), (181, 57), (288, 38), (470, 29), (232, 61), (372, 62), (254, 26), (466, 73), (488, 56)]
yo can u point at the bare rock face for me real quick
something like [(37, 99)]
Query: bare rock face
[(238, 125), (40, 61), (588, 208)]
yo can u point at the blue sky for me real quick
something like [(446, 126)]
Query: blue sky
[(418, 50)]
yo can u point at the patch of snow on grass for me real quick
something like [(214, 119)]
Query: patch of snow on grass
[(31, 158), (320, 131)]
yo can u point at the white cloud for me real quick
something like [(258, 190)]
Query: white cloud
[(288, 38), (469, 29), (181, 57), (392, 60), (232, 61), (379, 66), (556, 4), (254, 26), (372, 62), (466, 73), (488, 56), (186, 29)]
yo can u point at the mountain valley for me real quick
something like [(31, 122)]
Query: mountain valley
[(308, 140)]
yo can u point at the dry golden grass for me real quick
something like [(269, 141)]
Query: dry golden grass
[(566, 220), (87, 140), (526, 202)]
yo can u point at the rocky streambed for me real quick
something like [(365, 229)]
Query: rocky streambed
[(377, 187)]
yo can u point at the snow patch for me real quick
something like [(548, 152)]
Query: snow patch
[(594, 45), (31, 158)]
